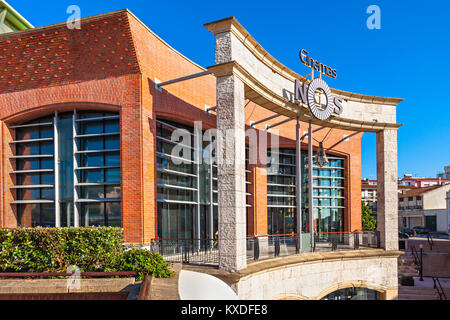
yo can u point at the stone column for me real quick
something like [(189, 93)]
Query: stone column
[(387, 190), (231, 173)]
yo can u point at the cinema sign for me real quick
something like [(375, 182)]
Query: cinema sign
[(307, 94)]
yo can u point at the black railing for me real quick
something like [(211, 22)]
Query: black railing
[(439, 289), (430, 241), (271, 246), (205, 251), (265, 247), (415, 254), (188, 251)]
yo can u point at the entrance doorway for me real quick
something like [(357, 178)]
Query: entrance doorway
[(430, 223)]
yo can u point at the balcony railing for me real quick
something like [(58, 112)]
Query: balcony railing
[(188, 251), (410, 208), (205, 251), (266, 247)]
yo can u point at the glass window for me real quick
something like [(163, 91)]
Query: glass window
[(113, 214), (353, 294), (39, 214)]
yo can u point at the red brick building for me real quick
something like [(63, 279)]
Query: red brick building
[(80, 107)]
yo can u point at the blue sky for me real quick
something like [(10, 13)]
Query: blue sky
[(407, 58)]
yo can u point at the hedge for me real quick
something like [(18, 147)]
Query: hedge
[(90, 249)]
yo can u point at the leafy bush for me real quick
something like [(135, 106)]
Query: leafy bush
[(369, 223), (144, 262), (90, 249), (407, 281)]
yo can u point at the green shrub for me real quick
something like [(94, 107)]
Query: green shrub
[(144, 262), (90, 249), (407, 281)]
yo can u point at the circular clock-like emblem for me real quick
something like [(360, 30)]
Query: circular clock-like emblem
[(321, 113)]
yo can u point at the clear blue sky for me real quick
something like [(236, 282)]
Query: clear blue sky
[(407, 58)]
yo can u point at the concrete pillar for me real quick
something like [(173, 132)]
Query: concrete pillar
[(390, 294), (231, 173), (387, 188)]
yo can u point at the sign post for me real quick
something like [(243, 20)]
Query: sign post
[(305, 93), (311, 185), (299, 184)]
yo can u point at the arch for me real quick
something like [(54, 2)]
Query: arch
[(289, 297), (49, 109), (352, 284), (270, 84)]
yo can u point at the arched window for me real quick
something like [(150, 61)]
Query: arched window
[(67, 170), (353, 294)]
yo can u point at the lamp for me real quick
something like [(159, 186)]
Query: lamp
[(421, 262), (321, 158)]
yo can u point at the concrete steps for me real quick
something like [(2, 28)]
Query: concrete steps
[(420, 293), (406, 266)]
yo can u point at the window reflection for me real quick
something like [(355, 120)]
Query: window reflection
[(34, 151)]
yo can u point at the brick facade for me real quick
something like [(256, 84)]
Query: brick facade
[(112, 63)]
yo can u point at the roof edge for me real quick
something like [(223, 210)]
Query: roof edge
[(22, 32), (16, 14), (163, 41), (103, 15), (231, 24)]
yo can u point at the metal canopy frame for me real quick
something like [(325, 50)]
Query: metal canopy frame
[(189, 77), (299, 138)]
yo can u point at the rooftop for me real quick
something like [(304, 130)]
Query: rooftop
[(418, 191)]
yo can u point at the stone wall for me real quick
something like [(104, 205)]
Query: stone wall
[(317, 279)]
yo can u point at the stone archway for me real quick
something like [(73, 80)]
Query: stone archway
[(353, 284)]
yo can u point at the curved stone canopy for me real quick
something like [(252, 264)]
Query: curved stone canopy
[(270, 84)]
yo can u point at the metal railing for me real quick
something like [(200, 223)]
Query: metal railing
[(430, 241), (439, 289), (415, 254), (205, 251), (188, 251), (266, 247)]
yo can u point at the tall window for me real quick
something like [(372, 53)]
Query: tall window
[(328, 195), (34, 173), (177, 185), (187, 191), (97, 154), (281, 194), (68, 170)]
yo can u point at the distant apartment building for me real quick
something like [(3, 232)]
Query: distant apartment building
[(11, 20), (446, 174), (369, 193), (448, 211), (427, 207), (409, 180)]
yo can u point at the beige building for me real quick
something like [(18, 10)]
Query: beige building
[(427, 207), (448, 211)]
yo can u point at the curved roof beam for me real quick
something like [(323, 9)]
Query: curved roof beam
[(270, 84)]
